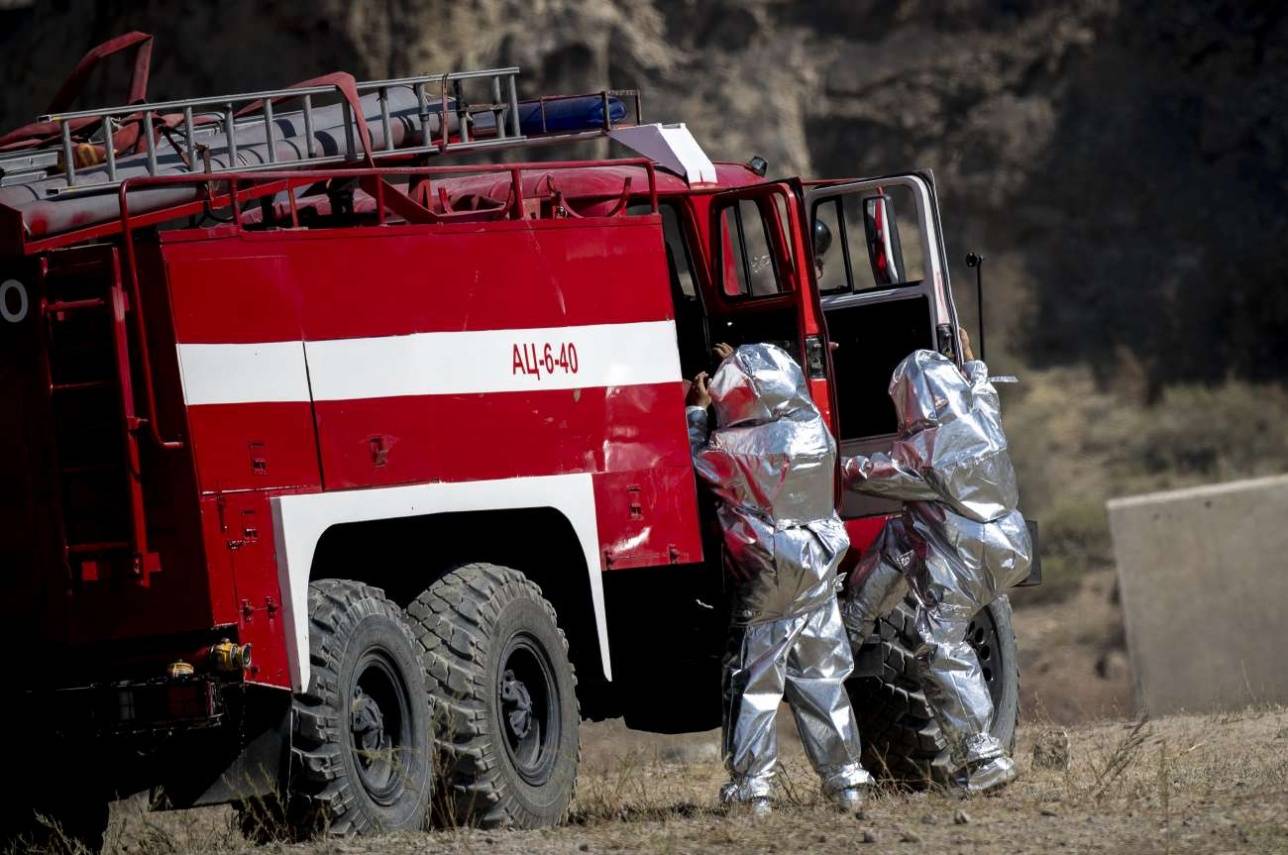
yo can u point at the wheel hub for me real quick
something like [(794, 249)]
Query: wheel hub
[(527, 706), (517, 702), (367, 722), (981, 635)]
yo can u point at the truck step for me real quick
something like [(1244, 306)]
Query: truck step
[(81, 386), (59, 306), (91, 468), (101, 546)]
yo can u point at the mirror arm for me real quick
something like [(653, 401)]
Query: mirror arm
[(975, 260)]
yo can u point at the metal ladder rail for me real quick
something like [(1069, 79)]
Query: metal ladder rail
[(223, 108), (115, 304)]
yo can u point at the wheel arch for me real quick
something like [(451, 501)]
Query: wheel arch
[(402, 539)]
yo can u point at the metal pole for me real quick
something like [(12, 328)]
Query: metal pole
[(230, 131), (268, 130), (423, 106), (442, 116), (109, 142), (462, 113), (497, 112), (975, 260), (352, 146), (192, 142), (69, 157), (310, 144), (150, 144), (514, 108)]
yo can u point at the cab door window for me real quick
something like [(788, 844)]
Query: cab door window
[(884, 293), (748, 240), (756, 295), (868, 241), (870, 262)]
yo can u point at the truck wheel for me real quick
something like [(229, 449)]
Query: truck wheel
[(505, 696), (901, 740), (360, 746)]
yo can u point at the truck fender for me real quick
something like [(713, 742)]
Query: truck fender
[(299, 521)]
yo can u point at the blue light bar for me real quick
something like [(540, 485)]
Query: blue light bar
[(583, 113)]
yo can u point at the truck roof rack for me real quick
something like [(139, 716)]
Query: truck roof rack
[(61, 173), (240, 132)]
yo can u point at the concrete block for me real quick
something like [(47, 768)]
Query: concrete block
[(1204, 579)]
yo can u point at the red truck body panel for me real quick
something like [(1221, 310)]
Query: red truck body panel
[(523, 291), (367, 358)]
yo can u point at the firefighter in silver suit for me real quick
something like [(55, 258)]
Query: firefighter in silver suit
[(771, 463), (959, 544)]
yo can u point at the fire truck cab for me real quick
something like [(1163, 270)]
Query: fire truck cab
[(345, 486)]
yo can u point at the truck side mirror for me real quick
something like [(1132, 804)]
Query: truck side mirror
[(884, 251)]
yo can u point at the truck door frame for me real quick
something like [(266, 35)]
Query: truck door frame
[(792, 258), (935, 286)]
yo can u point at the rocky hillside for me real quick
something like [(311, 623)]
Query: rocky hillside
[(1123, 167)]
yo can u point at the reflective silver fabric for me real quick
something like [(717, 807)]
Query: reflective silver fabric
[(805, 660), (961, 541), (879, 581), (771, 463), (982, 777)]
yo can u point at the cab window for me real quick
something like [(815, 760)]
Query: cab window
[(868, 241), (749, 263)]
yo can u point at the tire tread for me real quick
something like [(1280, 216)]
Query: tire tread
[(452, 620)]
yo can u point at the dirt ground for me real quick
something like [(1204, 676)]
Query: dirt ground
[(1073, 655), (1186, 784)]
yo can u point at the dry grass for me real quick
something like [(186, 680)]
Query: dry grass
[(1186, 784)]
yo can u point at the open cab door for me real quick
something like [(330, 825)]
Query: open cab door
[(883, 285), (760, 288)]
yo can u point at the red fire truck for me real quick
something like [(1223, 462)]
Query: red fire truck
[(330, 468)]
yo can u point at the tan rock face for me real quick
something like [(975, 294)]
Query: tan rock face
[(840, 87)]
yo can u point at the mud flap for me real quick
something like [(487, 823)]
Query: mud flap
[(245, 757)]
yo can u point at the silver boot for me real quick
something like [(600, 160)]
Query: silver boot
[(984, 776), (848, 800), (747, 794)]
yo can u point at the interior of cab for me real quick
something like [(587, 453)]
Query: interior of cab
[(755, 303), (691, 330), (870, 264), (872, 283)]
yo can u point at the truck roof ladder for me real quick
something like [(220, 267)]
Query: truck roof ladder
[(423, 115), (59, 176)]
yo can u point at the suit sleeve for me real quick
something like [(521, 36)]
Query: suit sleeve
[(698, 428), (712, 464), (885, 475), (982, 388)]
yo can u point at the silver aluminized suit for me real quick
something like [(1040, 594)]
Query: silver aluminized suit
[(771, 463), (960, 542)]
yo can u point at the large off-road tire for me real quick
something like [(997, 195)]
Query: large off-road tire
[(360, 745), (504, 692), (901, 740)]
